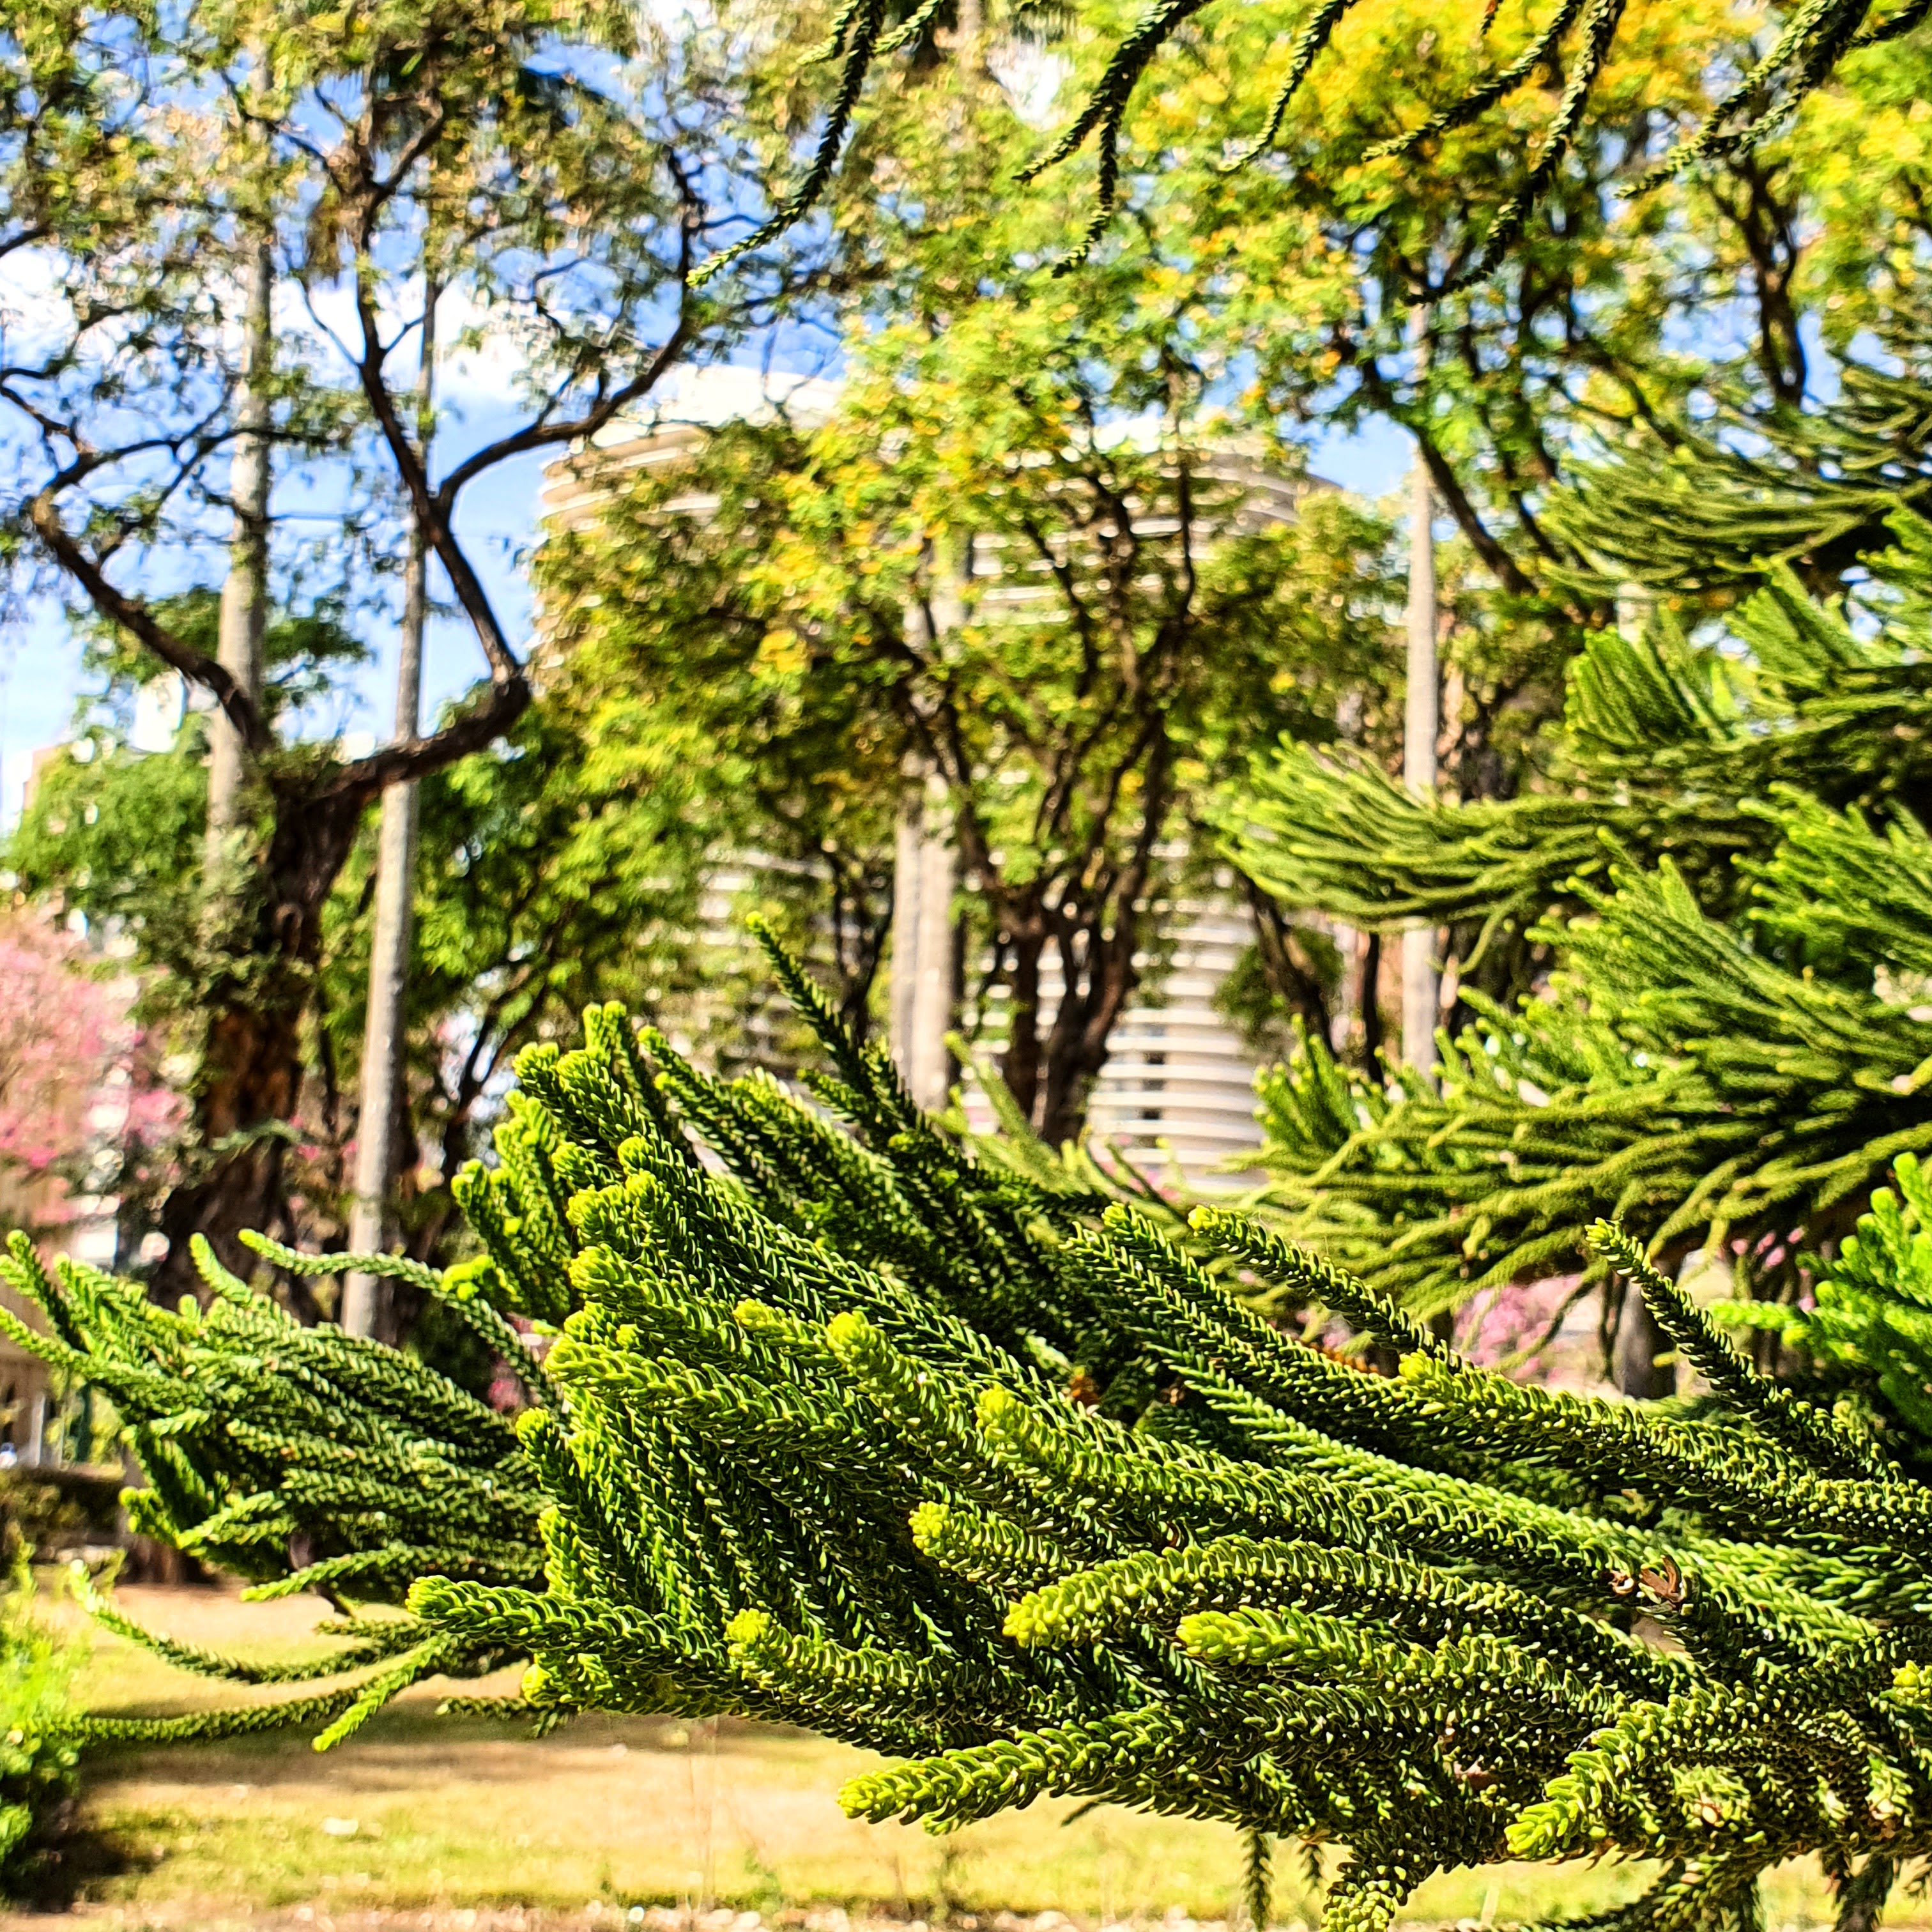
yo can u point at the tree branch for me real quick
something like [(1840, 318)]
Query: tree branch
[(135, 617), (1483, 540), (546, 432), (493, 713)]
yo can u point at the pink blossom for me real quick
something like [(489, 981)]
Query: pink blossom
[(82, 1101), (1498, 1326)]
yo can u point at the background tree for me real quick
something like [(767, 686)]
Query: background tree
[(1684, 510), (1642, 1080), (1045, 587), (1299, 270), (1574, 343), (556, 176)]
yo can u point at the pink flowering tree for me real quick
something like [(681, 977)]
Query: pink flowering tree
[(84, 1108)]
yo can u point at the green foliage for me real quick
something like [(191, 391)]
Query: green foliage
[(1670, 749), (1709, 1095), (117, 832), (860, 1436), (39, 1757), (1697, 512), (151, 163), (300, 1459), (554, 870), (1731, 1045), (307, 644)]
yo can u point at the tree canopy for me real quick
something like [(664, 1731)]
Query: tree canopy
[(1079, 597), (547, 177)]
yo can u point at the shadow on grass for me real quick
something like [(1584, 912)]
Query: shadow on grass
[(405, 1731), (69, 1856)]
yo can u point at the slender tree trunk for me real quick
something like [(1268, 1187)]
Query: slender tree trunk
[(1369, 998), (1288, 979), (244, 596), (1421, 723), (1100, 977), (931, 1067), (923, 969), (382, 1034), (926, 869), (1019, 1064), (911, 833), (250, 1079)]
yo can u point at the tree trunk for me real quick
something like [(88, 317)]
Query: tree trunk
[(1297, 984), (1099, 976), (1861, 1895), (1370, 998), (244, 597), (1096, 928), (1019, 1064), (1050, 1073), (970, 33), (1421, 722), (251, 1072), (363, 1296), (251, 1087), (251, 1081), (911, 835), (923, 968), (1639, 1342)]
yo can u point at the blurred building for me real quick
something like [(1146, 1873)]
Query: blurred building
[(1177, 1091)]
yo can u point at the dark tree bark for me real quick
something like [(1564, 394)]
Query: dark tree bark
[(253, 1061), (1290, 977), (1639, 1343), (1095, 923), (1019, 1065), (1371, 997), (862, 922)]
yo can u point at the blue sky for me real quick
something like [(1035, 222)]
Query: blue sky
[(40, 679), (40, 668)]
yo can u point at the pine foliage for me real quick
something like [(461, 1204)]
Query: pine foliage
[(846, 1429), (857, 1438), (1733, 870), (301, 1459), (1669, 749), (1756, 488)]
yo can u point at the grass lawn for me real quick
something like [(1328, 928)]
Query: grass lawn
[(426, 1822)]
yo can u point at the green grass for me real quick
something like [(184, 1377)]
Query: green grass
[(428, 1814)]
